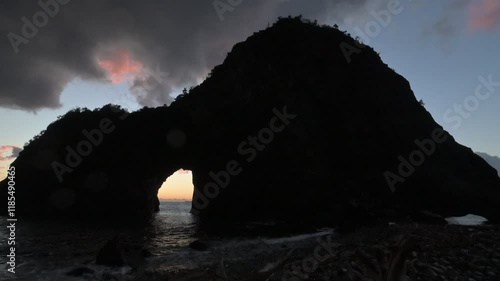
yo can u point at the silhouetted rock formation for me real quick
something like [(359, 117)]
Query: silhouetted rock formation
[(329, 135), (494, 161)]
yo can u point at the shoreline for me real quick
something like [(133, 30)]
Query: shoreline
[(450, 252), (383, 252), (377, 251)]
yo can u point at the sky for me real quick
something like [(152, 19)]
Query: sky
[(60, 54)]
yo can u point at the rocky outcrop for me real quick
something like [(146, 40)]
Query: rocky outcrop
[(120, 253), (494, 161), (111, 254), (285, 128), (198, 246)]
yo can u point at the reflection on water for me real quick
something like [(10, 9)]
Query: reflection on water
[(47, 250), (50, 246), (171, 228)]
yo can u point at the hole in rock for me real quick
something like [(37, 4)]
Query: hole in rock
[(175, 196), (179, 186)]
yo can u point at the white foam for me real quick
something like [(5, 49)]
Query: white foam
[(297, 237), (467, 220)]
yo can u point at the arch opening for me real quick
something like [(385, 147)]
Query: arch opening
[(178, 186)]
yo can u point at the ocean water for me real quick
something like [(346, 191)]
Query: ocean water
[(47, 250)]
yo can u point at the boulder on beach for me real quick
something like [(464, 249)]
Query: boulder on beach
[(79, 271), (198, 245), (111, 254)]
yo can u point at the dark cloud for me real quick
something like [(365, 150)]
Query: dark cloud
[(447, 25), (182, 38), (15, 151)]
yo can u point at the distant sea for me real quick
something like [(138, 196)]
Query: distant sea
[(47, 250)]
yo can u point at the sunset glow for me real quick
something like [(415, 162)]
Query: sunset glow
[(120, 66), (484, 15), (6, 151), (6, 158), (177, 186)]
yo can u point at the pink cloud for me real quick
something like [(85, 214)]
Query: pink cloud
[(182, 171), (5, 148), (483, 14), (119, 65)]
